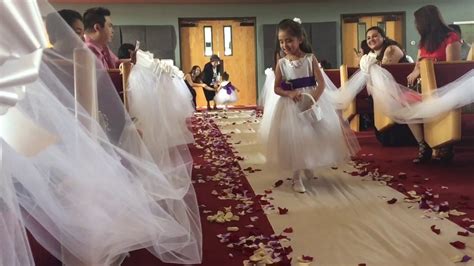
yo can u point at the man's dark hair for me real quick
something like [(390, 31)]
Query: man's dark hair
[(456, 28), (94, 16), (54, 24)]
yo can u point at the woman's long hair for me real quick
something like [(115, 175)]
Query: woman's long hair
[(386, 41), (431, 27), (195, 78)]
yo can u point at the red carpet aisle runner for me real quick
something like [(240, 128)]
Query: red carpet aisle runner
[(222, 188), (442, 190)]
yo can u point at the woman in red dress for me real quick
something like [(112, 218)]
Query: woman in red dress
[(440, 43)]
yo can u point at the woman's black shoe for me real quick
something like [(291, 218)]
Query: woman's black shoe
[(424, 153)]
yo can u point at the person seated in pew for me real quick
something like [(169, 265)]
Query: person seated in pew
[(388, 51), (99, 32), (125, 51), (440, 43), (59, 39), (363, 49), (465, 47)]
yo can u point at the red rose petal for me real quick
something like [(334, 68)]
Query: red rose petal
[(282, 210), (278, 183), (463, 233), (268, 191), (307, 258), (288, 230), (435, 230), (458, 244), (392, 201)]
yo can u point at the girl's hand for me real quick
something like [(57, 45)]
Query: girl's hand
[(294, 95), (411, 78)]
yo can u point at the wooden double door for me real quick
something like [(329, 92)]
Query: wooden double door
[(355, 26), (233, 40)]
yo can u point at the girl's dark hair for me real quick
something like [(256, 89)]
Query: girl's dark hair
[(295, 30), (386, 42), (277, 54), (197, 78), (225, 76), (431, 27), (124, 50)]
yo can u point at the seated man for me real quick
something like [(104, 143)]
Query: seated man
[(62, 40), (98, 34)]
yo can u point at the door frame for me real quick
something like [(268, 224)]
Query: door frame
[(355, 16), (191, 20)]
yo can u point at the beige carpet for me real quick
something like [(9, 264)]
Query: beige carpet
[(345, 220)]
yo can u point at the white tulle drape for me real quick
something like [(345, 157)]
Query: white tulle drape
[(97, 193), (398, 102)]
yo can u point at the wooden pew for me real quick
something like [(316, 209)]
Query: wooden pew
[(470, 55), (447, 128), (339, 77), (119, 77)]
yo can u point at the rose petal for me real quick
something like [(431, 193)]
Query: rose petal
[(458, 244), (392, 201), (288, 230), (466, 233), (278, 183), (435, 230), (282, 210), (466, 258)]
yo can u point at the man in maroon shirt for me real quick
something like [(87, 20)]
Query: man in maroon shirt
[(98, 34)]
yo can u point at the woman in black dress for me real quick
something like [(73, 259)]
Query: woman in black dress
[(193, 79)]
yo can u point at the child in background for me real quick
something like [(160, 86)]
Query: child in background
[(227, 93)]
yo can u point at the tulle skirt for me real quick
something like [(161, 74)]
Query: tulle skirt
[(222, 97), (295, 144), (269, 99)]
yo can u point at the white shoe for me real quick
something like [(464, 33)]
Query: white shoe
[(298, 185)]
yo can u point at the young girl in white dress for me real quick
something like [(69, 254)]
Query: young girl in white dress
[(296, 144), (227, 93)]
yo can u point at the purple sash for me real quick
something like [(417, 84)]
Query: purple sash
[(294, 84), (229, 88)]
